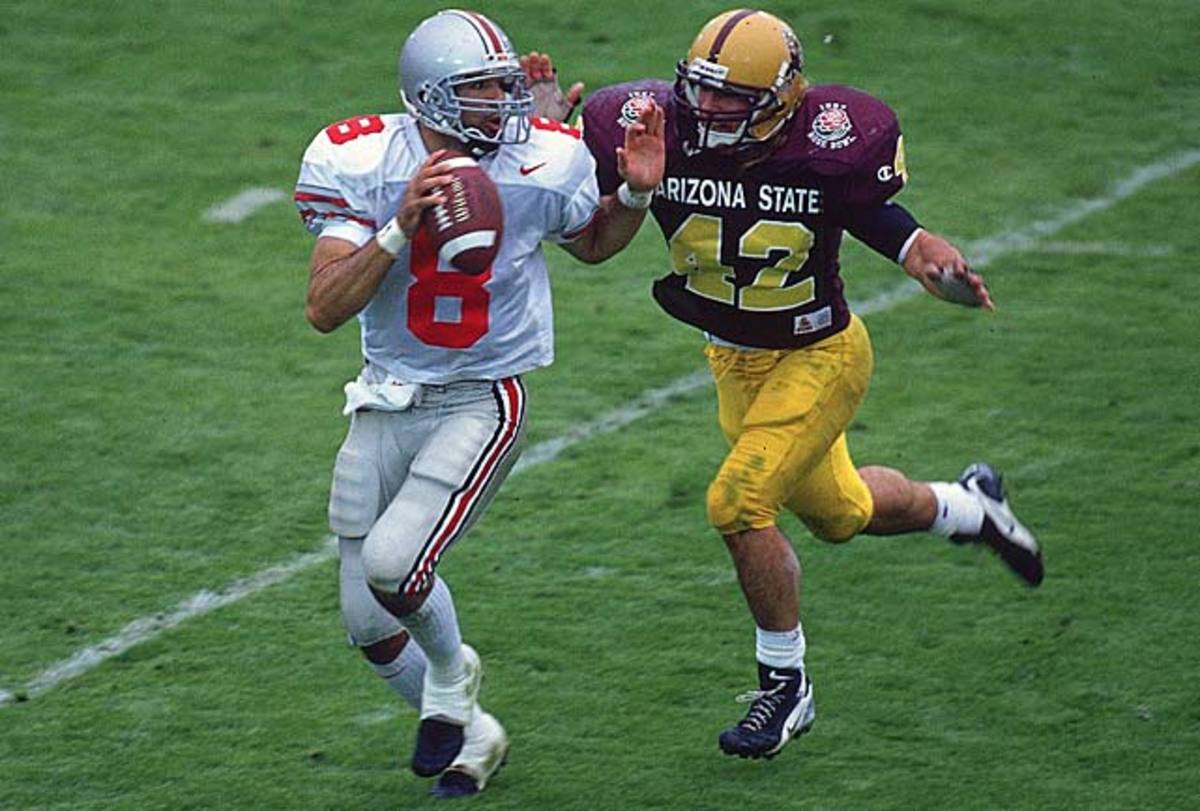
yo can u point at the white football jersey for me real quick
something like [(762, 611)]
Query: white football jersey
[(427, 322)]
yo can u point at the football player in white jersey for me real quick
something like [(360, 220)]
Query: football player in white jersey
[(437, 414)]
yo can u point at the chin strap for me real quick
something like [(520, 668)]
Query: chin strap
[(480, 149)]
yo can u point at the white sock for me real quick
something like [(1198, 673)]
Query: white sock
[(434, 626), (780, 648), (405, 674), (957, 510)]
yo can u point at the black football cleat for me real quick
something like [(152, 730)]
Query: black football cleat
[(1001, 530), (454, 783), (781, 709), (438, 744)]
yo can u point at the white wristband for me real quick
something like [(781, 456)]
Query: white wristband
[(634, 199), (391, 237), (908, 243)]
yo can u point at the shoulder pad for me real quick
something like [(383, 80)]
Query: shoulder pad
[(553, 157), (554, 134), (837, 127), (606, 115), (353, 146), (620, 104)]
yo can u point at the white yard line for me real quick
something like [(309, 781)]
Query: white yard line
[(613, 421), (1123, 189), (141, 630), (983, 253), (243, 204), (1101, 249)]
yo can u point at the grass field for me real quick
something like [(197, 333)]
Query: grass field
[(169, 421)]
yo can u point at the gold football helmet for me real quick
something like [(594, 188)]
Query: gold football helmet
[(754, 63)]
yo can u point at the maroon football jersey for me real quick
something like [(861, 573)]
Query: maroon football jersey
[(754, 250)]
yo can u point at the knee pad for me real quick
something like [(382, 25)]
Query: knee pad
[(840, 528), (734, 506), (396, 542), (366, 621)]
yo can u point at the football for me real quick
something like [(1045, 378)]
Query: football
[(466, 228)]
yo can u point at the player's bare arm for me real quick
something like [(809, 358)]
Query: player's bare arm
[(641, 162), (941, 269), (549, 100), (343, 276)]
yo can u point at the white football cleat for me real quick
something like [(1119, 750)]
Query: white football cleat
[(484, 751), (446, 710)]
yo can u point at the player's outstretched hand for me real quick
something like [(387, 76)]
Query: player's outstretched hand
[(642, 160), (422, 193), (549, 101), (941, 269)]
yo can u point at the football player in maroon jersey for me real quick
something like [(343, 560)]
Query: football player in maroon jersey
[(764, 175)]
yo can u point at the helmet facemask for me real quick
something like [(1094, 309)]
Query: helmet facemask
[(441, 107), (733, 130)]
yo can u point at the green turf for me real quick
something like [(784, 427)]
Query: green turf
[(169, 421)]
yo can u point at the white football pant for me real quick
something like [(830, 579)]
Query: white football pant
[(411, 483)]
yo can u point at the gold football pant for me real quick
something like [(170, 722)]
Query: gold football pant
[(785, 414)]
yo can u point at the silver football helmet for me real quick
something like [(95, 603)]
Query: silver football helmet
[(454, 48)]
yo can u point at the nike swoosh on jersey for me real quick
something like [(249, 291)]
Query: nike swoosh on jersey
[(528, 170)]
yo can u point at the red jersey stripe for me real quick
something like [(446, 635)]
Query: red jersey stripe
[(309, 197)]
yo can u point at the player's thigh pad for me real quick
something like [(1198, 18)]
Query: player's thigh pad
[(370, 467), (365, 619), (833, 501), (789, 408), (357, 497), (451, 480)]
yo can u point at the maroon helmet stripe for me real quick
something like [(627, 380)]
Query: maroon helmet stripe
[(488, 29), (726, 30)]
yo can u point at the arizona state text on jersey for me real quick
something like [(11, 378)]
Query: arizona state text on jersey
[(754, 250)]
